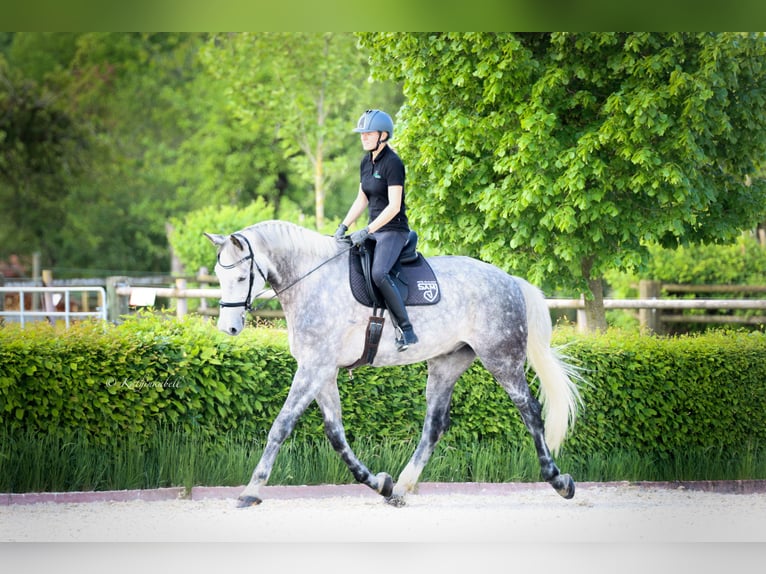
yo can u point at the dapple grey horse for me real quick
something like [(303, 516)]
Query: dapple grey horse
[(483, 312)]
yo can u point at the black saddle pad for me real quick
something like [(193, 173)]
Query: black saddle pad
[(418, 279)]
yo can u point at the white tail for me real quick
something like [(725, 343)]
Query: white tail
[(558, 389)]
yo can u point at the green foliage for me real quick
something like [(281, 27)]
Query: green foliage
[(561, 156), (300, 93), (742, 262), (58, 462), (193, 248), (115, 99), (666, 396), (107, 380), (145, 127), (42, 152), (643, 394)]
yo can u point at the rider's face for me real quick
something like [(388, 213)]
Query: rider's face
[(370, 140)]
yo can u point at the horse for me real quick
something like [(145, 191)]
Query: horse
[(483, 313)]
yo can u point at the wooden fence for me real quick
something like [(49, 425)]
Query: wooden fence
[(656, 307), (654, 311), (656, 319)]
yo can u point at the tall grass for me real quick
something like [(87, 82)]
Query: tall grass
[(32, 462)]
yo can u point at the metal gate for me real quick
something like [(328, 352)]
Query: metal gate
[(57, 303)]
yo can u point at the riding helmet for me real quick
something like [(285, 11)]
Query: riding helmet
[(375, 121)]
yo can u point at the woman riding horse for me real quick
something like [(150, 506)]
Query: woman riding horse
[(381, 191)]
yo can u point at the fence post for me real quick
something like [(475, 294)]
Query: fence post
[(203, 271), (649, 319), (182, 305), (36, 258), (47, 279), (116, 305), (582, 317)]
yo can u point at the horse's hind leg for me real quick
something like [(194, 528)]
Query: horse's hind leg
[(530, 410), (328, 400), (510, 374), (443, 373)]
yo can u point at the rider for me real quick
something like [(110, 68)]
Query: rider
[(381, 189)]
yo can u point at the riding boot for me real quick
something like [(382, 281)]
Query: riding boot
[(398, 310)]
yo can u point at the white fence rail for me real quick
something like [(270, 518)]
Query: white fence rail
[(145, 296), (57, 303), (123, 293), (650, 309), (663, 304), (651, 316)]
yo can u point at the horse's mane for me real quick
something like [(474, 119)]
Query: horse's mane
[(286, 236)]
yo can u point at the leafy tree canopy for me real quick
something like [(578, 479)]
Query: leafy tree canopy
[(561, 156), (301, 94), (42, 151)]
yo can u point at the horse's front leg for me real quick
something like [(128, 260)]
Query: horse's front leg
[(328, 400), (305, 386)]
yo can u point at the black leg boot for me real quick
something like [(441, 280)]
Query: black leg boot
[(397, 308)]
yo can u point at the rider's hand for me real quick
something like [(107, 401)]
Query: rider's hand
[(340, 232), (358, 237)]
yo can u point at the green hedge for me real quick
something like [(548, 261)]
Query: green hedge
[(642, 394), (667, 395)]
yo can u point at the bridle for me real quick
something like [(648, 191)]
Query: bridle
[(248, 302)]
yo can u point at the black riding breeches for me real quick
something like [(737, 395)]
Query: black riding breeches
[(388, 247)]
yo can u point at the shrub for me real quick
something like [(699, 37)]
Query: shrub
[(668, 395), (194, 250), (643, 394)]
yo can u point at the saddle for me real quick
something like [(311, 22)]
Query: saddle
[(413, 277)]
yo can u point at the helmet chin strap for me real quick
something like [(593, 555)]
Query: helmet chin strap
[(380, 141)]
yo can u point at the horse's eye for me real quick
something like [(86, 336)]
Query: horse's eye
[(241, 279)]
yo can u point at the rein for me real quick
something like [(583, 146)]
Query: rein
[(247, 303)]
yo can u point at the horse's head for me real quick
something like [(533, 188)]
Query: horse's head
[(241, 278)]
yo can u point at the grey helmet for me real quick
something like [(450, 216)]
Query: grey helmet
[(375, 121)]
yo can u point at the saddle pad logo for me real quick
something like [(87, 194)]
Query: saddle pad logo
[(429, 290)]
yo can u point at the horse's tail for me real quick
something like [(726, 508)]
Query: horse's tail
[(558, 389)]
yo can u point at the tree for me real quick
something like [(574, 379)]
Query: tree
[(81, 119), (564, 155), (139, 97), (190, 245), (42, 151), (301, 93), (141, 128)]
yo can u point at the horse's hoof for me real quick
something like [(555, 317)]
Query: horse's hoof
[(248, 501), (385, 484), (396, 501), (564, 485)]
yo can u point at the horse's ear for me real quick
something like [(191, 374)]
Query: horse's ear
[(237, 243), (215, 239)]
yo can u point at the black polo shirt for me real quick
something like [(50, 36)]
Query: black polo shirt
[(387, 169)]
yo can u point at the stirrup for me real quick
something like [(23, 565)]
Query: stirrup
[(403, 341)]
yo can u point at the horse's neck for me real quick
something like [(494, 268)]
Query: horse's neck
[(290, 265), (284, 270)]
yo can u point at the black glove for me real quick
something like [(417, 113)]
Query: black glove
[(358, 237), (340, 232)]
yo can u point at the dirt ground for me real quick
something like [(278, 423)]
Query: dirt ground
[(462, 528), (621, 513)]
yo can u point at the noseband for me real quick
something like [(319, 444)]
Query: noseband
[(247, 303)]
